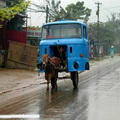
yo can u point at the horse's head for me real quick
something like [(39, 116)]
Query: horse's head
[(45, 59)]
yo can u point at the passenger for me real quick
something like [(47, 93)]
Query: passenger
[(48, 35), (62, 55), (78, 34)]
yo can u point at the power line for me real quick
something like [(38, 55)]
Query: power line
[(106, 9), (110, 8), (92, 18), (94, 1), (40, 15)]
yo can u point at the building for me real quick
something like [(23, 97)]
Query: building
[(33, 35), (2, 3), (12, 30)]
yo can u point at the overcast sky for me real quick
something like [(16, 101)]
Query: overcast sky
[(107, 7)]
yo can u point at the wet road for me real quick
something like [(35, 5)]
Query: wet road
[(98, 97)]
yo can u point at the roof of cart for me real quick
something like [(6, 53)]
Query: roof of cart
[(65, 22)]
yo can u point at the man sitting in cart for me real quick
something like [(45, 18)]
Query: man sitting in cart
[(62, 56)]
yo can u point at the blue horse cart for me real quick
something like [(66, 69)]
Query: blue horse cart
[(67, 40)]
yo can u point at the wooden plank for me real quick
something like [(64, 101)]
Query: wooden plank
[(22, 54), (17, 65), (1, 59)]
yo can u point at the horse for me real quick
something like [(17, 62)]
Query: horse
[(49, 67)]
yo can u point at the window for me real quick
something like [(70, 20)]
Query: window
[(61, 31), (84, 32)]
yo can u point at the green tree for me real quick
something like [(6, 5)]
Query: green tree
[(106, 34), (114, 25), (52, 8), (9, 12), (75, 12), (72, 11)]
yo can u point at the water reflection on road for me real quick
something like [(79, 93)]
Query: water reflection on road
[(97, 98), (56, 102)]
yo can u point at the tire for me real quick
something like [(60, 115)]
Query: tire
[(75, 79)]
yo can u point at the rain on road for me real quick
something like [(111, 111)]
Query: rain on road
[(97, 98)]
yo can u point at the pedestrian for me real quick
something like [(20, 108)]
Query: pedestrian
[(112, 51)]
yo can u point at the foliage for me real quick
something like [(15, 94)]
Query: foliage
[(109, 32), (72, 11), (106, 35), (8, 13), (53, 9), (34, 28), (114, 25), (75, 12), (92, 31)]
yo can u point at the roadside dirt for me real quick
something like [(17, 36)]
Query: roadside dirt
[(12, 79)]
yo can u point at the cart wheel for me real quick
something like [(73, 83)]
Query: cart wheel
[(75, 79)]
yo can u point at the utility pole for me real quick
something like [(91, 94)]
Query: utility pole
[(97, 13), (47, 12)]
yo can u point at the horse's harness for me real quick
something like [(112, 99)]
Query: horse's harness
[(49, 66)]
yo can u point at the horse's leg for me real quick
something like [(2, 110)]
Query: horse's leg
[(48, 84), (47, 78), (56, 83), (56, 76)]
